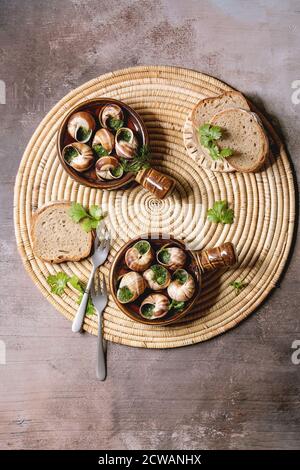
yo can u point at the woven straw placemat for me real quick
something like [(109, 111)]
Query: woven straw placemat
[(264, 206)]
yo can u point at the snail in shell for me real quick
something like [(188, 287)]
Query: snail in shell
[(126, 143), (80, 126), (154, 306), (140, 256), (132, 285), (103, 142), (182, 286), (111, 117), (171, 257), (79, 156), (108, 168), (157, 277)]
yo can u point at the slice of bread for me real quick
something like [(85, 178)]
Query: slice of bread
[(207, 108), (56, 238), (242, 131)]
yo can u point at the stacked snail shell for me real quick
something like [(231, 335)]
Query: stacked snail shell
[(103, 142), (159, 280)]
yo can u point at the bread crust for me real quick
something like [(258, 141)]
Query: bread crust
[(210, 100), (265, 141), (63, 259)]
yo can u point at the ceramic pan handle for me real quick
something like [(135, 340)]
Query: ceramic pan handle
[(218, 257), (156, 182)]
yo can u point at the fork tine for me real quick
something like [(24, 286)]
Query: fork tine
[(104, 243), (107, 246), (97, 237), (101, 244), (103, 235), (93, 292), (99, 229), (107, 240), (99, 290), (104, 287), (96, 241), (106, 233)]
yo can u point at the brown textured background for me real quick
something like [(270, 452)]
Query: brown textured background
[(239, 390)]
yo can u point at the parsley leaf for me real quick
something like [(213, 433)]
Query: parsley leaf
[(100, 151), (88, 220), (220, 213), (76, 283), (124, 294), (159, 274), (164, 255), (147, 310), (142, 247), (83, 134), (208, 135), (70, 153), (238, 286), (96, 212), (176, 305), (77, 212), (115, 124), (89, 224), (58, 282), (215, 132), (181, 276), (226, 152), (125, 135), (118, 171), (139, 162), (90, 309)]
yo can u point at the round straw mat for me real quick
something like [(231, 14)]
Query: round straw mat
[(263, 204)]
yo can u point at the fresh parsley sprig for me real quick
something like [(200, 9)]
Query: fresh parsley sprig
[(124, 294), (238, 286), (88, 219), (176, 305), (208, 136), (100, 151), (159, 274), (220, 213), (58, 283), (139, 162), (115, 123)]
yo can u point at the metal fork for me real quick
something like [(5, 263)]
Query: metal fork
[(99, 256), (99, 299)]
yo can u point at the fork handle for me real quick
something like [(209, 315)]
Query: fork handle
[(79, 317), (101, 363)]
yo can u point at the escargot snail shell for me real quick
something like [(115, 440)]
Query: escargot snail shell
[(138, 260), (104, 167), (81, 120), (182, 291), (159, 306), (105, 138), (110, 111), (124, 148), (177, 257), (84, 158), (149, 275), (135, 283)]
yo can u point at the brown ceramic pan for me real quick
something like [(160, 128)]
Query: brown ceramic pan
[(154, 181), (197, 263)]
